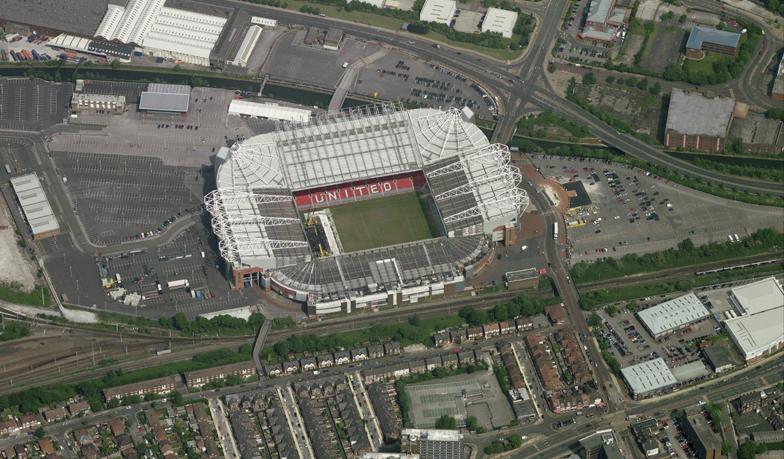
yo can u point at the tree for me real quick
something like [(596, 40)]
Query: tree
[(177, 68), (643, 84), (737, 146), (594, 320), (304, 9), (175, 397), (632, 306), (682, 18), (726, 447), (40, 432), (748, 450), (471, 423), (589, 78), (551, 68), (656, 89), (414, 320), (610, 79), (446, 422), (116, 64), (687, 245), (631, 81), (516, 441), (612, 310)]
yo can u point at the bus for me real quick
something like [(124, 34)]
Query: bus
[(8, 169), (555, 231)]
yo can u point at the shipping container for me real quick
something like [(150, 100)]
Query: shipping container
[(159, 60), (8, 169), (13, 55), (101, 61), (36, 56)]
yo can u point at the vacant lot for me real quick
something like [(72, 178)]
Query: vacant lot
[(381, 222)]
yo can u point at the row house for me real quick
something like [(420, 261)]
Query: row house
[(449, 360), (308, 363), (8, 427), (375, 351), (441, 338), (506, 327), (273, 369), (290, 367), (359, 354), (342, 358), (466, 358), (433, 362), (392, 348), (388, 372), (318, 388), (458, 336), (29, 421), (417, 367), (474, 332), (54, 415), (491, 330), (74, 409), (160, 386), (199, 378), (386, 412), (325, 361), (524, 323)]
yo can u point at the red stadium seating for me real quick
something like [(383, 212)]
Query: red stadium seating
[(358, 190)]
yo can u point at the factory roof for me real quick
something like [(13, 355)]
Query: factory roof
[(694, 114), (648, 376), (717, 356), (755, 130), (73, 16), (500, 21), (690, 371), (165, 97), (673, 314), (758, 296), (269, 111), (248, 44), (437, 11), (110, 49), (98, 99), (433, 434), (699, 35), (599, 10), (71, 42), (755, 332), (35, 204)]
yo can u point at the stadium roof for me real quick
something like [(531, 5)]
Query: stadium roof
[(165, 97), (758, 297), (673, 314), (500, 21), (754, 333), (694, 114), (648, 376), (270, 111), (35, 204), (699, 35), (472, 184)]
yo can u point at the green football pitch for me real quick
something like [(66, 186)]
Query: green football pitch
[(382, 222)]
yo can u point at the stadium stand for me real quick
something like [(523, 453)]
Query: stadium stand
[(378, 151)]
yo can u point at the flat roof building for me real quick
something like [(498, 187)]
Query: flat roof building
[(760, 328), (696, 428), (500, 21), (167, 99), (242, 56), (523, 278), (712, 41), (646, 432), (115, 104), (600, 445), (35, 206), (648, 378), (438, 11), (673, 315), (717, 358), (697, 122), (759, 135), (778, 84), (432, 443)]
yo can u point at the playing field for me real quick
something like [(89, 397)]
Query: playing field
[(381, 222)]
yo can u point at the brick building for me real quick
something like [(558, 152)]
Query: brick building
[(201, 377), (160, 386), (710, 40)]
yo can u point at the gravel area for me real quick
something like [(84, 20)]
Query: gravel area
[(23, 274)]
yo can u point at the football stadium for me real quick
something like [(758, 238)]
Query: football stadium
[(372, 206)]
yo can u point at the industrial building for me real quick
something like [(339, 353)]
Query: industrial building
[(760, 135), (114, 104), (717, 358), (269, 111), (438, 11), (246, 48), (648, 378), (500, 21), (264, 182), (35, 206), (697, 430), (673, 315), (162, 31), (432, 443), (777, 93), (523, 278), (711, 40), (52, 17), (600, 445), (697, 122), (165, 99), (760, 328)]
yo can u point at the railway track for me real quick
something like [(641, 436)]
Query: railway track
[(686, 272)]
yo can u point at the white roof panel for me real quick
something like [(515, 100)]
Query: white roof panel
[(755, 333), (270, 111), (759, 296), (500, 21), (34, 203), (673, 314), (438, 11), (648, 376)]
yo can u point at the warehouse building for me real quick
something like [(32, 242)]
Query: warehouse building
[(269, 111), (697, 122), (500, 21), (648, 378), (759, 135), (110, 49), (438, 11), (524, 278), (114, 104), (35, 206), (165, 99), (52, 17), (760, 328), (717, 358), (673, 315), (711, 40), (697, 430), (246, 48), (162, 31)]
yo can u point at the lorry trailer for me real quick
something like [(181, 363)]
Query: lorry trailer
[(178, 284)]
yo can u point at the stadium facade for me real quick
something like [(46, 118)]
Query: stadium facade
[(265, 182)]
